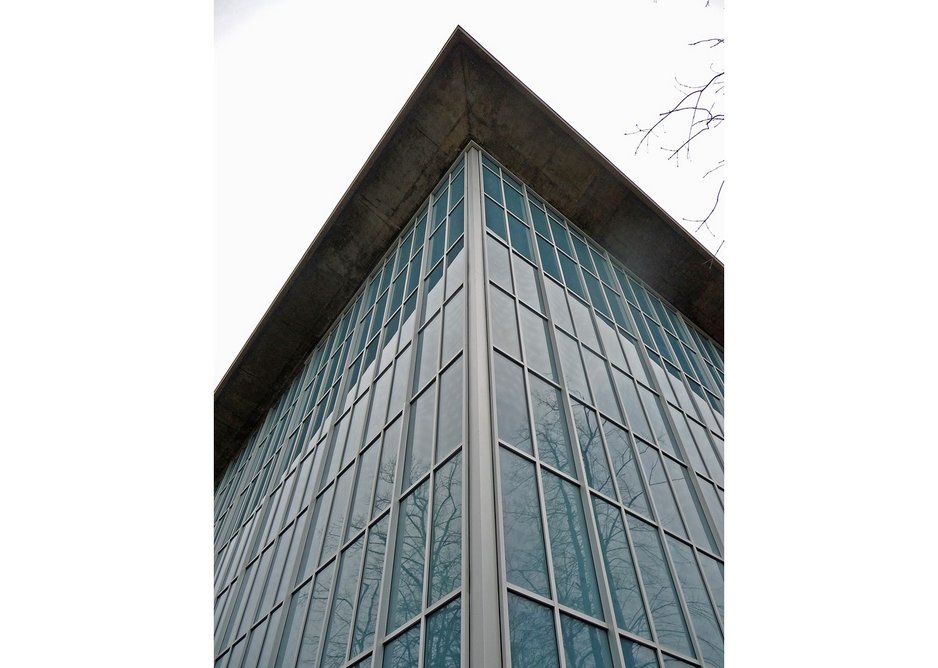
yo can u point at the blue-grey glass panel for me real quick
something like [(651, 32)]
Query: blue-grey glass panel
[(290, 640), (525, 559), (379, 406), (636, 368), (570, 275), (404, 650), (455, 267), (443, 637), (659, 587), (602, 267), (660, 489), (495, 218), (560, 235), (515, 202), (497, 266), (684, 436), (557, 300), (574, 574), (713, 503), (364, 663), (531, 631), (583, 321), (702, 616), (582, 252), (549, 258), (526, 281), (409, 554), (638, 656), (420, 437), (633, 407), (399, 395), (690, 504), (626, 594), (504, 323), (584, 644), (671, 662), (520, 237), (610, 340), (270, 639), (537, 350), (598, 373), (457, 183), (625, 468), (653, 408), (369, 594), (446, 531), (361, 501), (434, 289), (510, 405), (492, 185), (429, 353), (454, 325), (314, 536), (550, 424), (706, 450), (449, 427), (337, 516), (384, 486), (713, 573), (572, 367), (343, 604), (591, 445), (597, 296), (456, 223), (255, 644)]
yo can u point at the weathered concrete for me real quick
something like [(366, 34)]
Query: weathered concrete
[(465, 95)]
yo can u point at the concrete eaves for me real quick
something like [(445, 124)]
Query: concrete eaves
[(466, 95)]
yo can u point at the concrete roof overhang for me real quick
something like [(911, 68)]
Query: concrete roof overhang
[(466, 95)]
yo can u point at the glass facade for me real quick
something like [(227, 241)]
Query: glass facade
[(342, 532)]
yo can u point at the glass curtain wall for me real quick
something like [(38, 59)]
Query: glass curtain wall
[(608, 410), (341, 529)]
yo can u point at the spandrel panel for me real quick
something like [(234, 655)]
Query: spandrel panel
[(525, 558)]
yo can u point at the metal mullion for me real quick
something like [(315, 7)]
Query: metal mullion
[(485, 643), (395, 505), (605, 595)]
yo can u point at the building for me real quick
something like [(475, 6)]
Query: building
[(482, 422)]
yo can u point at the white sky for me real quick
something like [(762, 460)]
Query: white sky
[(302, 96)]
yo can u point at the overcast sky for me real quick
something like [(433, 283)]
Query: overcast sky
[(303, 96)]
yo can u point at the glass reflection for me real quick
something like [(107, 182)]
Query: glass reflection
[(709, 636), (449, 429), (525, 559), (534, 331), (572, 367), (369, 593), (657, 480), (510, 405), (526, 278), (446, 531), (384, 486), (531, 630), (591, 445), (410, 552), (504, 324), (625, 468), (602, 386), (584, 645), (550, 424), (361, 502), (404, 650), (420, 437), (343, 603), (574, 575), (443, 637), (638, 656), (309, 648)]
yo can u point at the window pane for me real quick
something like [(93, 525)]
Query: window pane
[(384, 487), (410, 552), (660, 429), (294, 624), (526, 278), (531, 627), (361, 503), (626, 595), (504, 324), (607, 333), (429, 353), (537, 343), (496, 263), (569, 546), (549, 258), (625, 468), (525, 559), (591, 445), (495, 218), (515, 202), (309, 649), (559, 311), (693, 513), (379, 406), (572, 367), (638, 656), (584, 644), (420, 437), (492, 185), (699, 607), (454, 325), (660, 490), (337, 516), (446, 537), (449, 429), (570, 275), (404, 650), (553, 439), (633, 407), (583, 321), (443, 637), (602, 386), (662, 599), (713, 572), (510, 404), (370, 592), (343, 602)]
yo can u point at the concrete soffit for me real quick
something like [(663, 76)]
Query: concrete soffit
[(466, 95)]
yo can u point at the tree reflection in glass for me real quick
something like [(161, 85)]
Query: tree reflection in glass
[(443, 636), (343, 603), (625, 468), (370, 591), (446, 532), (550, 424), (525, 559), (591, 445), (384, 486), (404, 650), (409, 554), (510, 405), (584, 645), (531, 629)]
